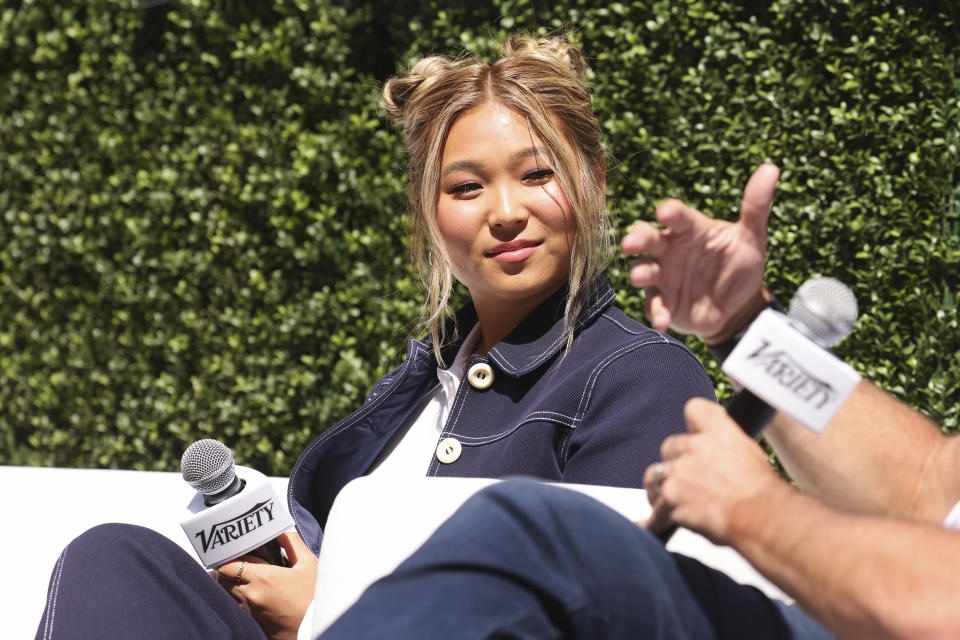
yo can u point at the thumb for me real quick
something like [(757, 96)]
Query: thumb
[(701, 414), (758, 197)]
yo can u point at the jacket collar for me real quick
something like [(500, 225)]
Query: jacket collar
[(530, 345)]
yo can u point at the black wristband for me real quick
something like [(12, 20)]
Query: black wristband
[(724, 349)]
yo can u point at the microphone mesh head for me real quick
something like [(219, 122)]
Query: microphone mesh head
[(826, 308), (207, 466)]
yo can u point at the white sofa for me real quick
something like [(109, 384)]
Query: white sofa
[(53, 506), (372, 527)]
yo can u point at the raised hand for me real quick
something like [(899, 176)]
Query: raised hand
[(704, 276)]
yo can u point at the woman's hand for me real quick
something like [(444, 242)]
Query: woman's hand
[(704, 276), (277, 597)]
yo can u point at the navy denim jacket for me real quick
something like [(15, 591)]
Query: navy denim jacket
[(597, 416)]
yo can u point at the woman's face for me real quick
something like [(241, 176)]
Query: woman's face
[(506, 223)]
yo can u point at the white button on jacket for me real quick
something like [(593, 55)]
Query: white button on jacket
[(480, 375), (449, 450)]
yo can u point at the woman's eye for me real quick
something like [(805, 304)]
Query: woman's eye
[(465, 188), (540, 175)]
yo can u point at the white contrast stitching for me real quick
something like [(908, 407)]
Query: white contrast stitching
[(329, 433), (365, 410), (563, 447), (537, 360), (546, 416), (52, 596), (595, 374), (634, 332)]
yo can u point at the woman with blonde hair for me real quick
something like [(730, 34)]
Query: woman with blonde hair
[(506, 171), (507, 186)]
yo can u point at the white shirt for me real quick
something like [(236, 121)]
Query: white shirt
[(414, 453)]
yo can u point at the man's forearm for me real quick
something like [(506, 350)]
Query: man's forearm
[(863, 577), (877, 456)]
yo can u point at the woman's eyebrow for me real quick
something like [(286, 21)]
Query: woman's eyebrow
[(529, 151), (465, 165), (476, 167)]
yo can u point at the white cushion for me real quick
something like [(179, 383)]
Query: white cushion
[(374, 525), (49, 507)]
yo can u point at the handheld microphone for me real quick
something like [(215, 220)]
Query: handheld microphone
[(783, 363), (236, 510)]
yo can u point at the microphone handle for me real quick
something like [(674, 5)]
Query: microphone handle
[(664, 535), (272, 553), (748, 411)]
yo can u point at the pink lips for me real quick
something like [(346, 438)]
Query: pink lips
[(516, 251)]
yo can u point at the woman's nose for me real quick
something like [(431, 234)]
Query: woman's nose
[(507, 211)]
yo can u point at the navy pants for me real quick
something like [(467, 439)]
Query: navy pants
[(121, 581), (518, 560)]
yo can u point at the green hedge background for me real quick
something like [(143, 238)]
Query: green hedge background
[(203, 204)]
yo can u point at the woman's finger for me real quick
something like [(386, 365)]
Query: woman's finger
[(232, 573)]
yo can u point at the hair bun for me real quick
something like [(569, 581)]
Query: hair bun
[(557, 49), (398, 91)]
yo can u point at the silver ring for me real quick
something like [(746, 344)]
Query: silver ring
[(658, 475), (243, 565)]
